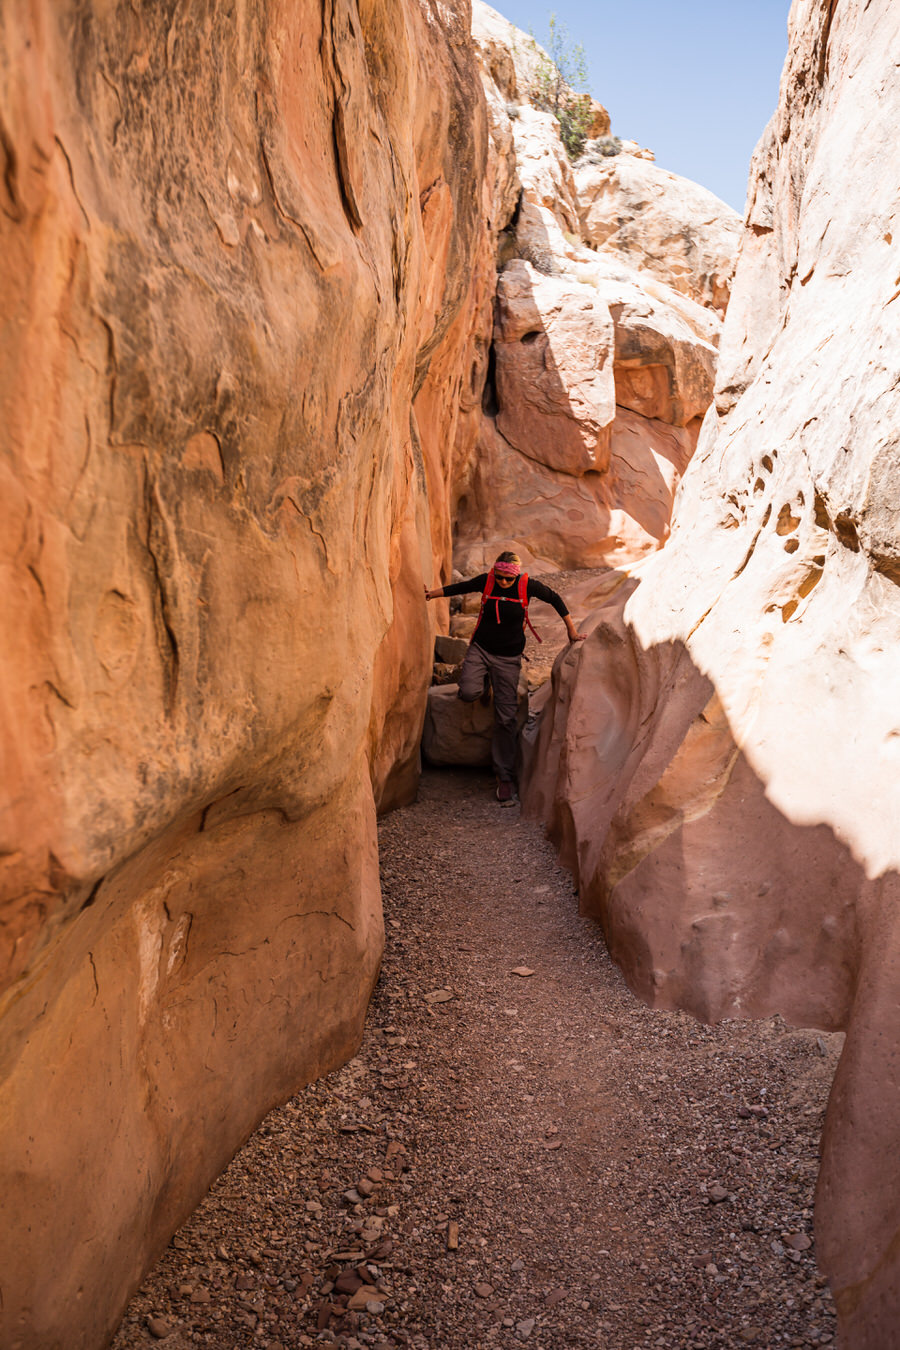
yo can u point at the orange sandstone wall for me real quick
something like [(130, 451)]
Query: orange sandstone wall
[(232, 242)]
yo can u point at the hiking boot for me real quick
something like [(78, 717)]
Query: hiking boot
[(506, 793), (485, 698)]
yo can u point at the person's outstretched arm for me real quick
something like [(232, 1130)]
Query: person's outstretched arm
[(458, 587), (539, 591)]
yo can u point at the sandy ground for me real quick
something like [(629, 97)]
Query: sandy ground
[(512, 1158)]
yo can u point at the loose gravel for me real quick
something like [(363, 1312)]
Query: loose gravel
[(520, 1154)]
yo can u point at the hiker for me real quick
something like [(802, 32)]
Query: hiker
[(495, 652)]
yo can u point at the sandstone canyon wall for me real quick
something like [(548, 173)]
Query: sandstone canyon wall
[(720, 764), (235, 244)]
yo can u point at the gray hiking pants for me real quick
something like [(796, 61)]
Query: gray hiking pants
[(504, 673)]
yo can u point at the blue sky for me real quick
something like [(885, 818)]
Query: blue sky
[(696, 81)]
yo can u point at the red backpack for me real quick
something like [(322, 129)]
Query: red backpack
[(521, 598)]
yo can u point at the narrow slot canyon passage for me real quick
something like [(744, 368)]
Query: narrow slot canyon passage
[(512, 1158)]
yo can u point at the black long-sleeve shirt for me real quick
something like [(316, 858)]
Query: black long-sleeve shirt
[(501, 629)]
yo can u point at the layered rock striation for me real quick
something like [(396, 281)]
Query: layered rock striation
[(720, 765), (237, 244)]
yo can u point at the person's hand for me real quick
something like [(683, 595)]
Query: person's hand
[(433, 595), (577, 637)]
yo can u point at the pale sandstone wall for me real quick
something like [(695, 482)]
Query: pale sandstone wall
[(721, 767), (231, 242)]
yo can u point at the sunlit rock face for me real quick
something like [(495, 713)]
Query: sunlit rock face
[(676, 230), (722, 767), (235, 242)]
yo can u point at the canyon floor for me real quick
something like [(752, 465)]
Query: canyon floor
[(520, 1154)]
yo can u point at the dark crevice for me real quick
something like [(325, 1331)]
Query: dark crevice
[(490, 404), (822, 64), (845, 529), (887, 567), (111, 371), (820, 512), (344, 177), (94, 973), (13, 207), (210, 806), (38, 582), (168, 641), (92, 895), (57, 693)]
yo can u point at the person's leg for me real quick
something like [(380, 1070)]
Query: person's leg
[(471, 677), (505, 679)]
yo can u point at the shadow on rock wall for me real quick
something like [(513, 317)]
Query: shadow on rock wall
[(714, 902)]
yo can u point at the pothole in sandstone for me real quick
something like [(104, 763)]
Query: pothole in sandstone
[(536, 1159)]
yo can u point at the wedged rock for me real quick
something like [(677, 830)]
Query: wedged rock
[(599, 125), (460, 733), (225, 273), (662, 223), (721, 770), (450, 649), (464, 625), (664, 367)]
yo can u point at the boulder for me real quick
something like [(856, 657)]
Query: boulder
[(553, 340), (544, 168), (463, 625), (450, 649), (460, 733), (599, 125), (662, 223)]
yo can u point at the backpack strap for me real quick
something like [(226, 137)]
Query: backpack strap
[(523, 601), (488, 587)]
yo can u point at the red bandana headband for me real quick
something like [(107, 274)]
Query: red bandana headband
[(507, 569)]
